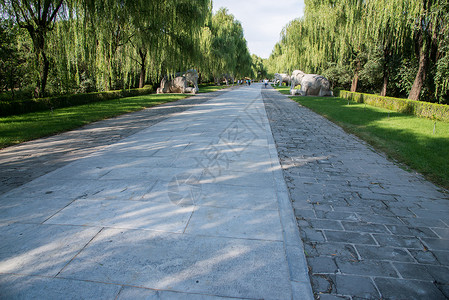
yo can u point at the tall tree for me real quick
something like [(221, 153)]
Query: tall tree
[(259, 68), (387, 28), (38, 18), (429, 25), (228, 52)]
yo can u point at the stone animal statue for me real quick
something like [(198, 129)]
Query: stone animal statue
[(192, 79), (311, 84), (280, 78), (180, 84)]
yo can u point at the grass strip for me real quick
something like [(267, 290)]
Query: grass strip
[(20, 128), (421, 144)]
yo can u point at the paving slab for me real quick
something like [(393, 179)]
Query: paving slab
[(19, 287), (41, 250), (191, 206), (238, 223), (132, 293), (196, 264), (161, 216)]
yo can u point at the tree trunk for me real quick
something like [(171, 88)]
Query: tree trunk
[(386, 72), (355, 79), (42, 61), (37, 21), (45, 68), (383, 91), (142, 79), (418, 84), (420, 78), (142, 76), (386, 75)]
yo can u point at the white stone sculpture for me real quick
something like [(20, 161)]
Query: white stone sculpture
[(180, 84), (280, 78), (311, 84)]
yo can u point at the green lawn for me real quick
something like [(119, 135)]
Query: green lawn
[(405, 138), (21, 128)]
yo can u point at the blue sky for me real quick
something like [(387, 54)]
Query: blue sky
[(262, 20)]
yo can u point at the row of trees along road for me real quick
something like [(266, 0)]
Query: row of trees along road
[(72, 46), (393, 47)]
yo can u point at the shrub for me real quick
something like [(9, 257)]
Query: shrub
[(417, 108), (27, 106)]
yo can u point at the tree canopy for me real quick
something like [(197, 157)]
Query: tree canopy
[(394, 47), (73, 46)]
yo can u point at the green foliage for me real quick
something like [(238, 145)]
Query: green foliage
[(404, 75), (418, 108), (441, 9), (338, 75), (371, 45), (86, 45), (258, 67), (224, 47), (13, 65)]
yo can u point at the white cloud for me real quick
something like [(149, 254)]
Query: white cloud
[(262, 20)]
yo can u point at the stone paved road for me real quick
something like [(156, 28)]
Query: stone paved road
[(192, 207), (371, 230), (27, 161)]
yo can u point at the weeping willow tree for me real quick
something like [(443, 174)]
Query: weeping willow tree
[(288, 53), (442, 65), (97, 45), (430, 28), (329, 34), (259, 68), (274, 61), (83, 45), (385, 39), (145, 38), (181, 44), (38, 19), (166, 35), (403, 27), (224, 47), (334, 33)]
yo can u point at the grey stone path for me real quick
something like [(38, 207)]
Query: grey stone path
[(193, 207), (22, 163), (371, 230)]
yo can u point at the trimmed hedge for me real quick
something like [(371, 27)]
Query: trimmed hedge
[(41, 104), (417, 108)]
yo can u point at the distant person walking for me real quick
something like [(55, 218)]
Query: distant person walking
[(265, 81)]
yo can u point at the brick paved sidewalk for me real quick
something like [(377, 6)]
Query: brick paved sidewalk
[(370, 229)]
